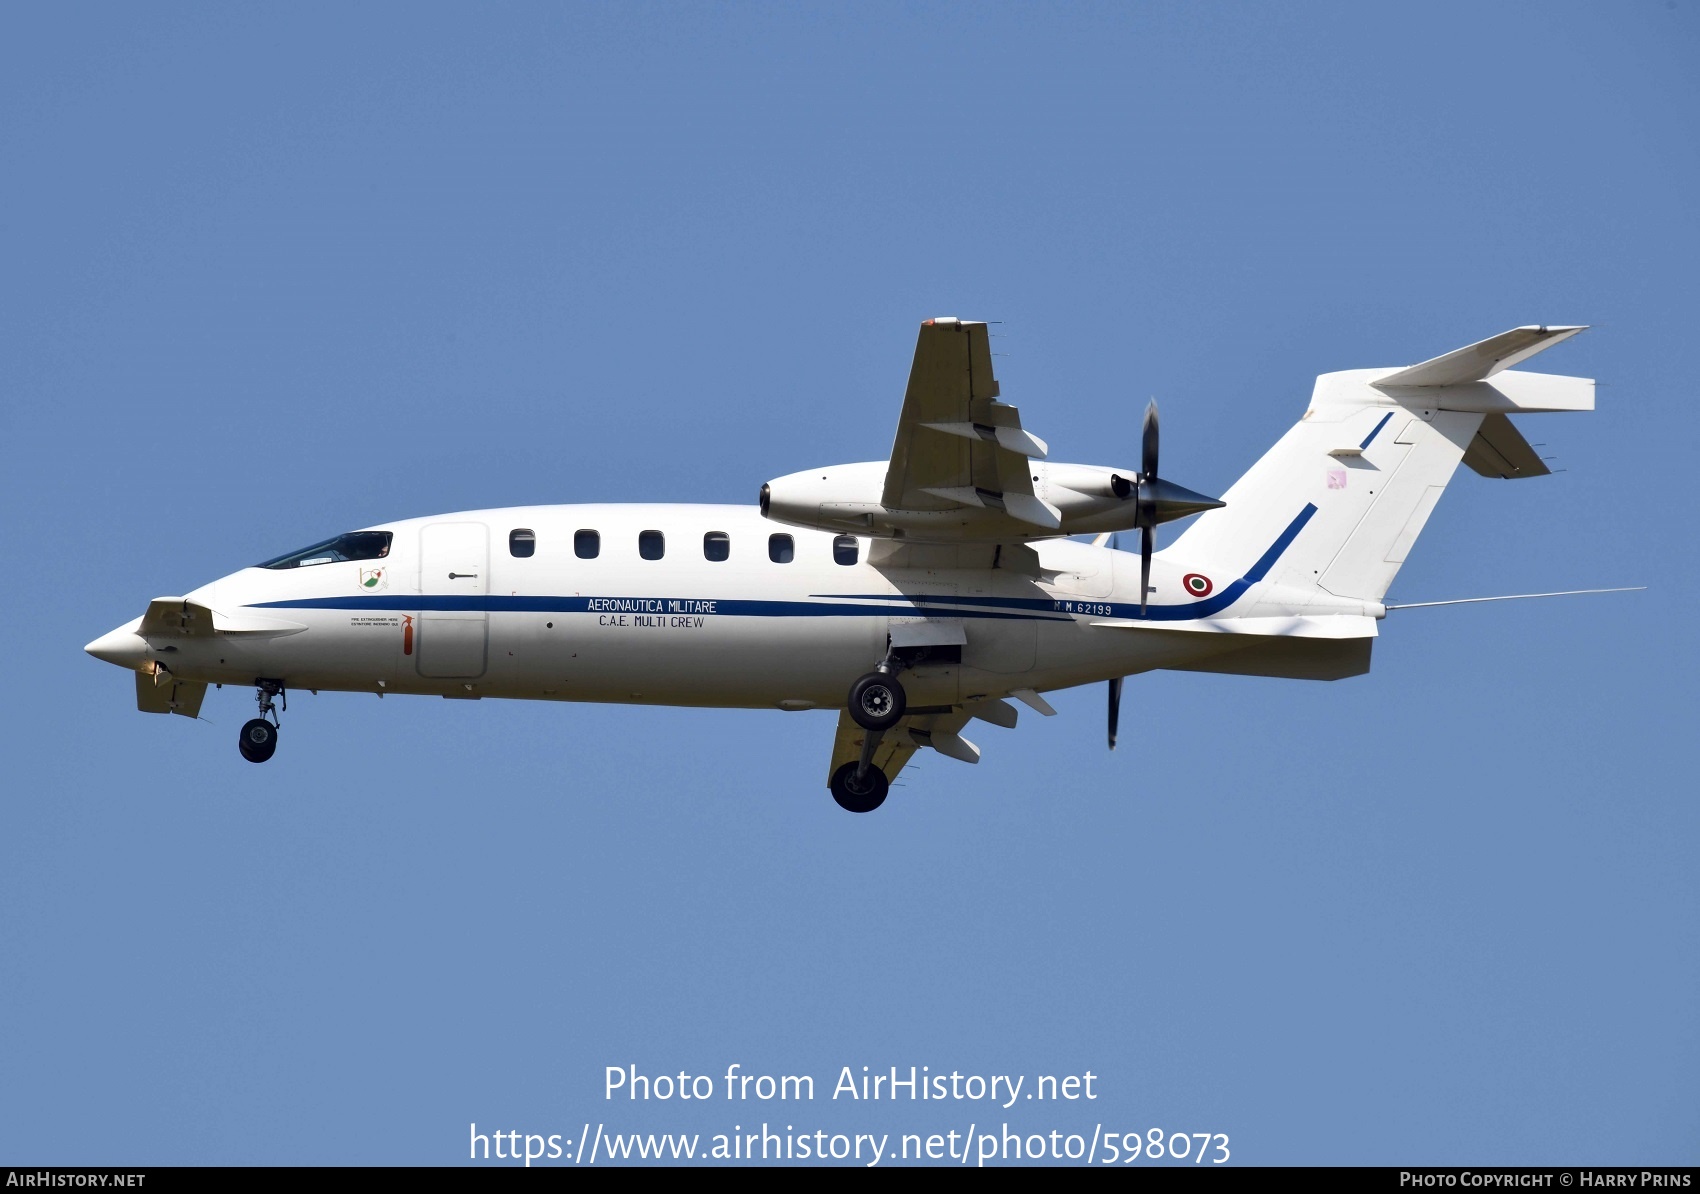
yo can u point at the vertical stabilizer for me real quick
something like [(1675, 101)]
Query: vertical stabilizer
[(1373, 454)]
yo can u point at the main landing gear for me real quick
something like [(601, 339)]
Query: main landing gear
[(877, 703), (859, 795), (258, 740)]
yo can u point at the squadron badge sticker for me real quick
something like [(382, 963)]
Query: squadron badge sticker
[(374, 580)]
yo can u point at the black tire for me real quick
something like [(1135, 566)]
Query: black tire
[(258, 740), (859, 798), (877, 702)]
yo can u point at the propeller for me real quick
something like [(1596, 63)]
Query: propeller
[(1115, 708), (1156, 500), (1116, 681), (1146, 511)]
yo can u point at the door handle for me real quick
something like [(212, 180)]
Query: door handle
[(463, 576)]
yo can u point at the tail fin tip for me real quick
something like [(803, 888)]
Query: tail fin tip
[(1481, 360)]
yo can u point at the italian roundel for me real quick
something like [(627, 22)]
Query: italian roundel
[(1197, 584)]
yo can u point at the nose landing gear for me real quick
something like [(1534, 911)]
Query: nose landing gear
[(258, 739)]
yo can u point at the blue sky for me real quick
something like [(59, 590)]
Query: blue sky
[(273, 274)]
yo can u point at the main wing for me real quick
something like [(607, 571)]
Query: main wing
[(956, 444)]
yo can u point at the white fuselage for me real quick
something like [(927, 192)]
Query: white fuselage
[(910, 595), (454, 612)]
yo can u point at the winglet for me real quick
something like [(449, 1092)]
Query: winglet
[(1480, 361)]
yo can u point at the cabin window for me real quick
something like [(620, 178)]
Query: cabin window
[(652, 545), (587, 545), (781, 548), (522, 544), (844, 549), (716, 546), (357, 545)]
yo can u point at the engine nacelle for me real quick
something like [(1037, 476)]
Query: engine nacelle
[(845, 499)]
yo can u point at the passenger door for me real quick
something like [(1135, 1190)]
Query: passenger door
[(454, 568)]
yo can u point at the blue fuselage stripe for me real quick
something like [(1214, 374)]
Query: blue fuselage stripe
[(488, 603), (820, 605)]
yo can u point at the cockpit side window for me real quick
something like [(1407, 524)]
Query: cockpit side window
[(356, 545)]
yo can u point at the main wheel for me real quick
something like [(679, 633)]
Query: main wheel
[(864, 797), (877, 701), (258, 740)]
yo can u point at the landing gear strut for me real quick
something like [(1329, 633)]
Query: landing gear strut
[(877, 703), (258, 740)]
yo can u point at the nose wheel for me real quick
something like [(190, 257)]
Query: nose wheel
[(258, 740)]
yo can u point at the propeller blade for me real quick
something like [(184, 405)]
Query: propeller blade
[(1115, 708), (1148, 443), (1147, 536)]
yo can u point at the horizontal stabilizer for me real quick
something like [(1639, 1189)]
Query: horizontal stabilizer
[(1480, 361), (1499, 450)]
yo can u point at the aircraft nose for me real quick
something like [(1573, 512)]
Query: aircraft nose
[(122, 647)]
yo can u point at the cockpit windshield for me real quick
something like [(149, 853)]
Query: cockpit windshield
[(356, 545)]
